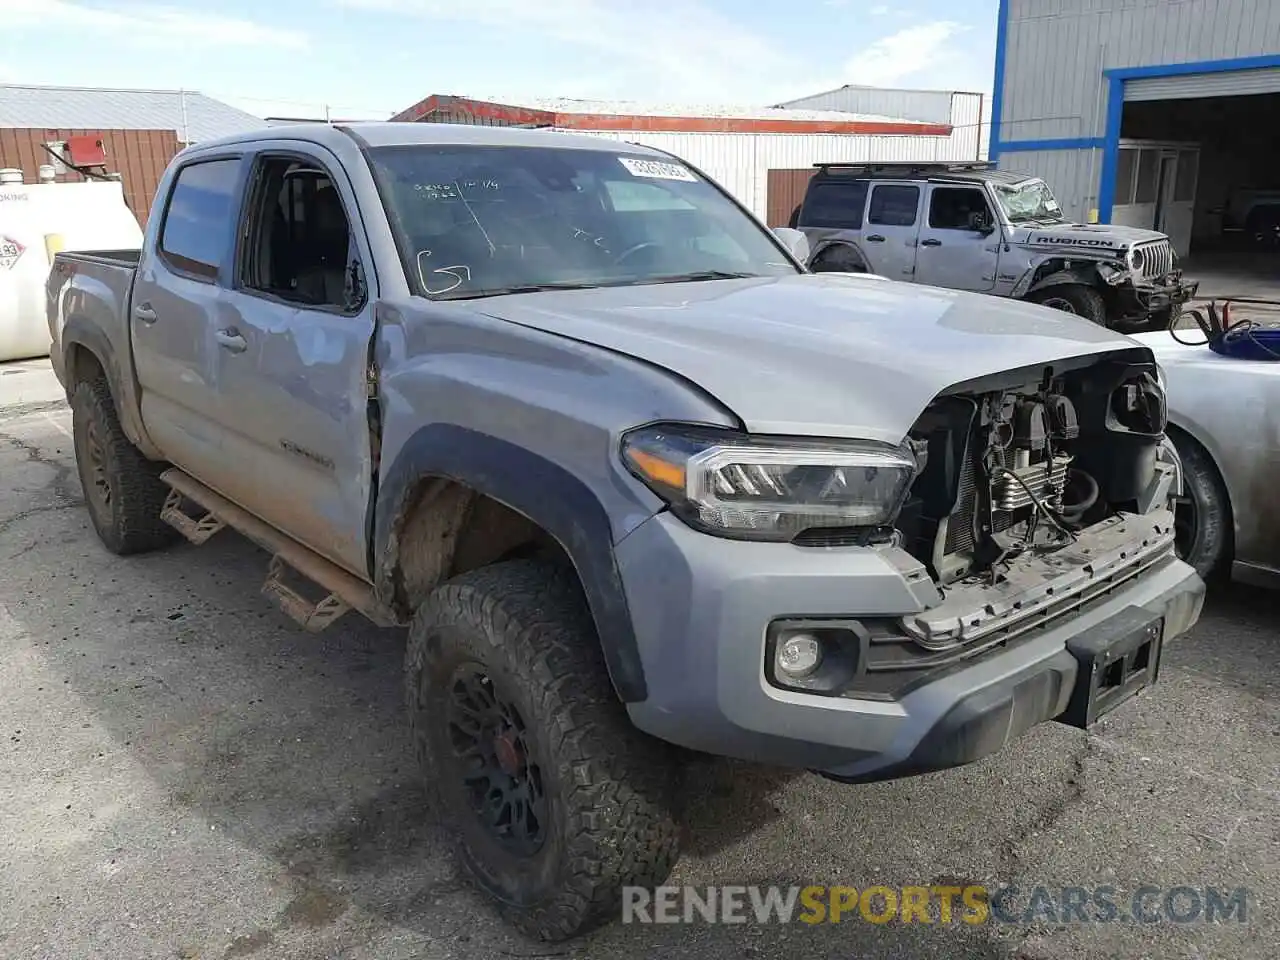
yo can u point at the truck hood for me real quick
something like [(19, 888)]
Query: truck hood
[(833, 355), (1101, 237)]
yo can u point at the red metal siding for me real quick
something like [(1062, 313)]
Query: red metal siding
[(786, 190), (440, 109), (140, 156)]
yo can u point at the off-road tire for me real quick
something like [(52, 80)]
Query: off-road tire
[(837, 259), (1205, 528), (127, 518), (1076, 298), (609, 788)]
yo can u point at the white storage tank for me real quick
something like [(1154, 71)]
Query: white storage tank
[(36, 221)]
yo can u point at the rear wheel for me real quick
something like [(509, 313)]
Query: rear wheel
[(839, 259), (1074, 298), (554, 800), (122, 488)]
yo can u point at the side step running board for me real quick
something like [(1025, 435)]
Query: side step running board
[(345, 591)]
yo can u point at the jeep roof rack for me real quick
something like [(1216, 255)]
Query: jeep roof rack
[(907, 168)]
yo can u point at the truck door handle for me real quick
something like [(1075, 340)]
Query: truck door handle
[(875, 238), (931, 243), (144, 313), (230, 339)]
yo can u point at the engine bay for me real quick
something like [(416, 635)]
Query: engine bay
[(1024, 464)]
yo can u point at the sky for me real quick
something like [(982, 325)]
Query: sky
[(366, 59)]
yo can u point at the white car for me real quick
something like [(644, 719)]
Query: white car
[(1224, 420)]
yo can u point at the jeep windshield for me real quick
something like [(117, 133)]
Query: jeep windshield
[(1028, 202), (475, 221)]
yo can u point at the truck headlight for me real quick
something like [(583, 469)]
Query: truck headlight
[(1135, 258), (733, 485)]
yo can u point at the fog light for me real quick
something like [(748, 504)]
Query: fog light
[(799, 655)]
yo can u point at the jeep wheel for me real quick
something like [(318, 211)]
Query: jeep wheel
[(1074, 298), (553, 799), (122, 488), (838, 259)]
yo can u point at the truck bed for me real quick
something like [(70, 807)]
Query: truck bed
[(113, 258)]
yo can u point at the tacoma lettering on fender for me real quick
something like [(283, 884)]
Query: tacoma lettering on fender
[(632, 476)]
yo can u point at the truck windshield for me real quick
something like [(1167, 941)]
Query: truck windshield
[(474, 221), (1028, 202)]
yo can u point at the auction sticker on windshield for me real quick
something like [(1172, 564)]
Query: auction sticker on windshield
[(657, 169)]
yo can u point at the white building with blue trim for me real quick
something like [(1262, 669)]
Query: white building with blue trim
[(1152, 113)]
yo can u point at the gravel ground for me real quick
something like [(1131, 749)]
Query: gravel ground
[(183, 774)]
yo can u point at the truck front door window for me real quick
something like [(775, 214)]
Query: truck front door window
[(300, 237), (196, 232)]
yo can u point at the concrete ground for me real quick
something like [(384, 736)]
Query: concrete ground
[(185, 775)]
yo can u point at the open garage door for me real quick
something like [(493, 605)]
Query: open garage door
[(1199, 158)]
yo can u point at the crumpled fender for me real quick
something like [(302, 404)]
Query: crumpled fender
[(1084, 270)]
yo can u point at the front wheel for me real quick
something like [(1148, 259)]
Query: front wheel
[(1076, 298), (554, 800), (1203, 523)]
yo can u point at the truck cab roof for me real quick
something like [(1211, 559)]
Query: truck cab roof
[(389, 134)]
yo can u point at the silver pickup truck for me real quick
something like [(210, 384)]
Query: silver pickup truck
[(630, 474)]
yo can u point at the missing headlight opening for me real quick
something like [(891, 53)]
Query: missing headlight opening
[(1014, 468)]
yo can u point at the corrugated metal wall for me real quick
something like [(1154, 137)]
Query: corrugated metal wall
[(140, 156), (741, 161), (929, 106), (1056, 51)]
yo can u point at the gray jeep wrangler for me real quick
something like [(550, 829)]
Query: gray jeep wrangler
[(973, 227)]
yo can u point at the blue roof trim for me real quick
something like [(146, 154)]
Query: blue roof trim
[(997, 84), (1195, 66)]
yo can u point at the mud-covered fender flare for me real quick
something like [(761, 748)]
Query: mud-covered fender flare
[(80, 333), (852, 248), (542, 491)]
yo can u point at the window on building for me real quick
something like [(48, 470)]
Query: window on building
[(299, 245), (1148, 176), (1126, 167), (1184, 186), (894, 205), (196, 234), (953, 208), (835, 203)]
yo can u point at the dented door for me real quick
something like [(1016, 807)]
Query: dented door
[(293, 381)]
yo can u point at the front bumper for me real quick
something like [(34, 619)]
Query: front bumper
[(702, 607), (1170, 294)]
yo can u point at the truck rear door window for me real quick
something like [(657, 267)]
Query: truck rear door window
[(835, 203), (196, 235), (894, 205)]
